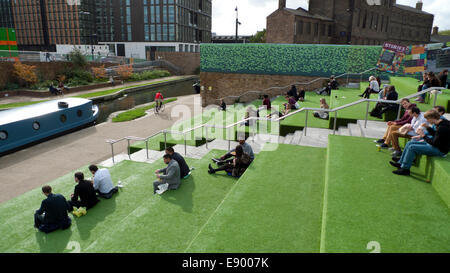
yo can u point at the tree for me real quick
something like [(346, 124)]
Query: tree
[(25, 74), (259, 37), (124, 71), (99, 72), (77, 59)]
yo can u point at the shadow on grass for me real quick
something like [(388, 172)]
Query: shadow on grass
[(94, 216), (183, 196), (55, 242)]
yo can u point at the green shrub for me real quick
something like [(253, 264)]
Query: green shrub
[(43, 85), (148, 75), (77, 58)]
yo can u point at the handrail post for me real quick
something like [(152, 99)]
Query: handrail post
[(367, 114), (185, 145), (229, 139), (112, 151), (146, 148), (306, 122), (399, 111), (335, 122), (165, 140), (435, 98), (206, 137), (129, 154)]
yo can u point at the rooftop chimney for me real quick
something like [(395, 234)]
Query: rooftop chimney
[(281, 4), (419, 5), (435, 31)]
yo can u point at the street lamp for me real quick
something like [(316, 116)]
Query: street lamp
[(237, 23)]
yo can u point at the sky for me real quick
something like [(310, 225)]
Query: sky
[(253, 13)]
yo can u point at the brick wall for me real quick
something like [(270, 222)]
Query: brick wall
[(280, 27), (226, 84), (187, 62)]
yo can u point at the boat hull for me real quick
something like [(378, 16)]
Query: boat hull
[(36, 129)]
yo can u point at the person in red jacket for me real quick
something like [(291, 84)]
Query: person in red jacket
[(159, 101)]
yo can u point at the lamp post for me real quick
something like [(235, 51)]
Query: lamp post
[(237, 23)]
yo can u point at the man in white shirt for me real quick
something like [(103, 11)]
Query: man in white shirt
[(409, 130), (103, 184)]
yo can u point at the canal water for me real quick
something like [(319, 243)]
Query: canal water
[(146, 95)]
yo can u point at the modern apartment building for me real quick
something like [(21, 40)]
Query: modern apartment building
[(6, 15), (132, 28)]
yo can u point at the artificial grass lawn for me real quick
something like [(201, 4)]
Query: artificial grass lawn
[(132, 221), (277, 210), (137, 112), (366, 202)]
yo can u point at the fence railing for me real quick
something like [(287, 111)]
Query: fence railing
[(305, 128), (259, 92)]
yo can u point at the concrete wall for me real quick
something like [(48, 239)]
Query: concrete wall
[(187, 62)]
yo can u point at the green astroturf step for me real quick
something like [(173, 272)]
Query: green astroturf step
[(366, 204), (132, 221), (276, 205)]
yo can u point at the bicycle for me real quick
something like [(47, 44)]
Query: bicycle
[(160, 109)]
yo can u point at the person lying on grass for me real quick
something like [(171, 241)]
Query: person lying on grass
[(439, 145), (235, 167), (169, 175)]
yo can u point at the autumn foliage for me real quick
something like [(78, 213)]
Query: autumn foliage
[(25, 73), (124, 71), (99, 72)]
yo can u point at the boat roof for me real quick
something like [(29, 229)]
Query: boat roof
[(37, 110)]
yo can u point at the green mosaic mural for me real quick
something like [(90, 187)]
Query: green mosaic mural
[(288, 59)]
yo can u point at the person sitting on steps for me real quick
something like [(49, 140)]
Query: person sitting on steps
[(53, 213), (322, 114), (235, 167), (102, 182), (395, 125), (408, 130), (374, 88), (184, 168), (170, 175), (331, 85), (247, 149), (84, 194), (382, 107), (439, 145)]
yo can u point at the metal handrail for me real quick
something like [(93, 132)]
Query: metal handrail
[(296, 83), (307, 109)]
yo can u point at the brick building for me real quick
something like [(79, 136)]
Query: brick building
[(350, 22)]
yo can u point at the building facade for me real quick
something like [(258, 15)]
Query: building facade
[(6, 15), (143, 27), (132, 28), (350, 22)]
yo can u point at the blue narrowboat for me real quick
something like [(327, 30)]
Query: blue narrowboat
[(24, 126)]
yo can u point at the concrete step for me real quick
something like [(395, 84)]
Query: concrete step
[(355, 130), (320, 142), (374, 129), (297, 137), (117, 159), (289, 138), (344, 131), (313, 132)]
